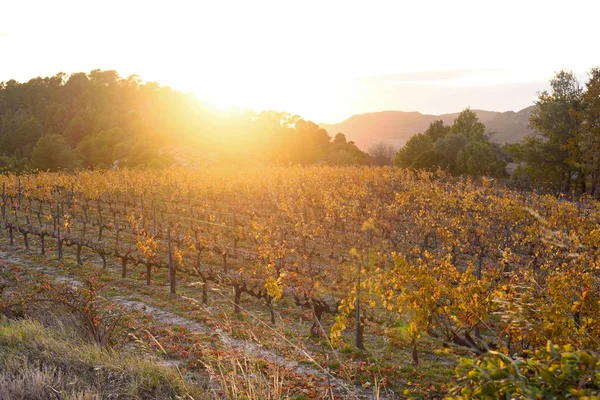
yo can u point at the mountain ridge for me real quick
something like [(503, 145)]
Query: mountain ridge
[(396, 127)]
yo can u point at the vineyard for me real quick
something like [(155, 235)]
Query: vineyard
[(382, 274)]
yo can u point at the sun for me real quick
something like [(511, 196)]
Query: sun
[(312, 97)]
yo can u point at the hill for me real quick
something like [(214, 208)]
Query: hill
[(396, 127), (100, 119)]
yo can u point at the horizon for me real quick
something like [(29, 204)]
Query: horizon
[(311, 60), (423, 113), (237, 108)]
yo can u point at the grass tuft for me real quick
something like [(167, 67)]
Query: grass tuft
[(38, 362)]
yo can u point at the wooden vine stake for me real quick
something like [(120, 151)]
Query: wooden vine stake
[(3, 201), (172, 277), (59, 241), (359, 340)]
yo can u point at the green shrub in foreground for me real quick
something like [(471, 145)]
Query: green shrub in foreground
[(553, 372)]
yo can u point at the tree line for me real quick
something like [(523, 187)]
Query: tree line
[(99, 119), (463, 148), (562, 155)]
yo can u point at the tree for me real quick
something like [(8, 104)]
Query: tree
[(461, 148), (382, 153), (478, 158), (97, 150), (53, 153), (29, 132), (104, 78), (416, 145), (145, 155), (468, 125), (449, 149), (466, 149), (13, 164), (309, 142), (342, 152), (340, 138), (428, 160), (76, 130), (588, 140), (437, 130), (18, 134), (552, 154)]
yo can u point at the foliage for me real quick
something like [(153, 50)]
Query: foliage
[(13, 164), (114, 121), (421, 249), (52, 153), (461, 149), (588, 134), (550, 372), (468, 125), (407, 156), (102, 321), (342, 152), (563, 153), (437, 130)]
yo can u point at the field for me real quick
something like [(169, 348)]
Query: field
[(245, 283)]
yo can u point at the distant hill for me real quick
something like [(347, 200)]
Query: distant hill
[(396, 127)]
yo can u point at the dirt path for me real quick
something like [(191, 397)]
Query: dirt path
[(339, 386)]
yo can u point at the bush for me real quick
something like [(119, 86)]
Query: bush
[(100, 319), (103, 320), (553, 372)]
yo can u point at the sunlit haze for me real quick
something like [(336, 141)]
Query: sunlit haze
[(324, 60)]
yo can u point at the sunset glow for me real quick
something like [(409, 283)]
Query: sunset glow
[(323, 60), (317, 199)]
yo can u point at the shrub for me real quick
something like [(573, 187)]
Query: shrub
[(102, 320), (553, 372)]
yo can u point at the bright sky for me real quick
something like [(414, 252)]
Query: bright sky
[(324, 60)]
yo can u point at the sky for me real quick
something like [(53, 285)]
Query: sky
[(324, 60)]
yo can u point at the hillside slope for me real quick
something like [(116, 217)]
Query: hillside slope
[(396, 127)]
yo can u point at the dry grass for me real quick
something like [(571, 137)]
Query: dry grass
[(37, 362), (48, 352), (245, 378)]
